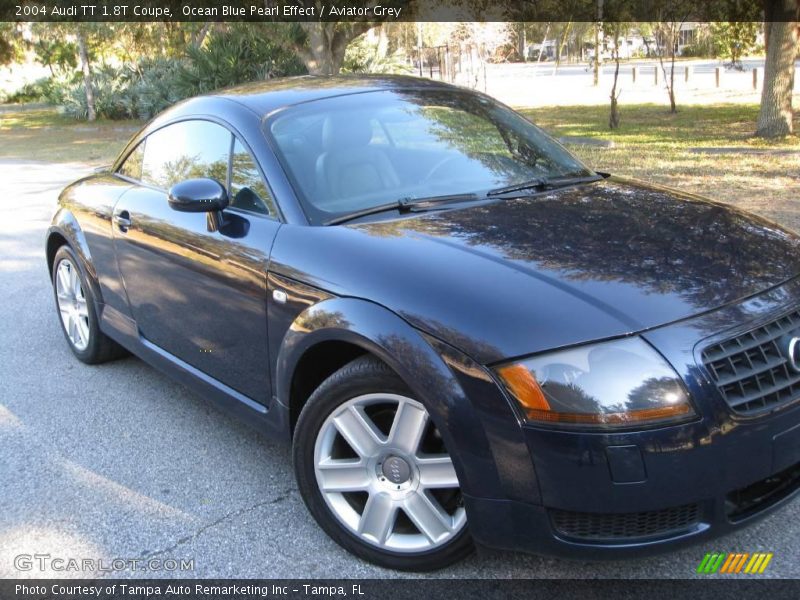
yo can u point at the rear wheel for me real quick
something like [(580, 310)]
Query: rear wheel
[(75, 304), (375, 473)]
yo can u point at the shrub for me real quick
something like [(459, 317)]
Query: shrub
[(29, 92), (232, 57), (144, 89), (363, 56)]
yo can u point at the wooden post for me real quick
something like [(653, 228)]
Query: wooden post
[(633, 74), (687, 73), (718, 75), (755, 79), (655, 75)]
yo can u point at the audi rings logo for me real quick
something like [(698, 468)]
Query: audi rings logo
[(793, 353)]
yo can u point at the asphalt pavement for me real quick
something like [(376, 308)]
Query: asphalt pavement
[(118, 462)]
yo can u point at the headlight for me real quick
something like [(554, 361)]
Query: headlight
[(611, 384)]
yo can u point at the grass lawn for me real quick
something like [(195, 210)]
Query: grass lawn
[(41, 133), (651, 144), (678, 151)]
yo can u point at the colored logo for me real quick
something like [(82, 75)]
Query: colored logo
[(729, 562)]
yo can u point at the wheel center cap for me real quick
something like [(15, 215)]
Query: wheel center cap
[(396, 470)]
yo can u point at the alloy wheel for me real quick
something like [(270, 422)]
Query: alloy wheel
[(382, 469), (72, 304)]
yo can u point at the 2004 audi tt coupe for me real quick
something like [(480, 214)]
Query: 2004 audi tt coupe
[(468, 335)]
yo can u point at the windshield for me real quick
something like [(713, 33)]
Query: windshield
[(350, 153)]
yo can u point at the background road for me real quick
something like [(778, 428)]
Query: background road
[(645, 66), (541, 84), (116, 461)]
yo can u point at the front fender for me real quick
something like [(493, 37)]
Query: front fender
[(387, 336), (66, 225)]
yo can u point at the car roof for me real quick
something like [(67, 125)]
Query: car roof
[(263, 97)]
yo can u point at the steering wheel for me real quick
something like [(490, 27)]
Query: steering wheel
[(439, 166)]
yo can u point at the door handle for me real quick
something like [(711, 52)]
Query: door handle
[(122, 220)]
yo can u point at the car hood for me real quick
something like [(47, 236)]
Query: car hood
[(518, 276)]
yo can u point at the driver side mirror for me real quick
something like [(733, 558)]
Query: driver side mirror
[(198, 195)]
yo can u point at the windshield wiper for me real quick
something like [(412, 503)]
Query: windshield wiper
[(544, 183), (533, 184), (403, 206)]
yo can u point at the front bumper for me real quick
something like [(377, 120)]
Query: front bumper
[(606, 495), (700, 490)]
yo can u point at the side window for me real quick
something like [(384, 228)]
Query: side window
[(186, 150), (248, 191), (132, 167)]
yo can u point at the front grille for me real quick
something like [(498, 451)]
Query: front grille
[(625, 526), (750, 370)]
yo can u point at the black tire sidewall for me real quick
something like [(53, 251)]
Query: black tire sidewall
[(365, 375)]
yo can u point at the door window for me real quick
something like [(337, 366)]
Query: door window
[(248, 191), (132, 167), (186, 150)]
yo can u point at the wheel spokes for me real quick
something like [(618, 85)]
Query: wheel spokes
[(359, 431), (437, 472), (63, 278), (408, 427), (72, 328), (82, 327), (427, 516), (75, 282), (82, 309), (378, 517), (343, 475)]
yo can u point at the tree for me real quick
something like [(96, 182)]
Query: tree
[(598, 29), (321, 45), (734, 40), (780, 30), (86, 67), (671, 15), (613, 117), (10, 43), (57, 54)]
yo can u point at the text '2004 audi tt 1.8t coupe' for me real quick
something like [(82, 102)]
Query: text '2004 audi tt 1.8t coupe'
[(468, 335)]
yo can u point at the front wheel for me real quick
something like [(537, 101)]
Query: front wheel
[(76, 310), (375, 474)]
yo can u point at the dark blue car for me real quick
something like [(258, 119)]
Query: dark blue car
[(468, 335)]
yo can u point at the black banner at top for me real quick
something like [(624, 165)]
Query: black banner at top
[(390, 10)]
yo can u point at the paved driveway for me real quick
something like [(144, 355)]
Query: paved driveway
[(116, 461)]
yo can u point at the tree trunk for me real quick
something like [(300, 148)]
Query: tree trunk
[(327, 42), (673, 108), (598, 26), (775, 116), (200, 36), (383, 41), (88, 84), (669, 35), (613, 118), (561, 43), (544, 41)]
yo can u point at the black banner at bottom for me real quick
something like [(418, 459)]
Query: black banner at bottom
[(393, 589)]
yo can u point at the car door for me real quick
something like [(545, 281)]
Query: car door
[(197, 288)]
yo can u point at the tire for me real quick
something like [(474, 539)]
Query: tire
[(391, 466), (75, 306)]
